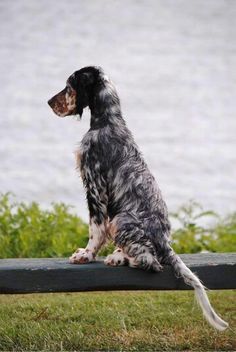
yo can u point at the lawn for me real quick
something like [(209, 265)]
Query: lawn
[(114, 321)]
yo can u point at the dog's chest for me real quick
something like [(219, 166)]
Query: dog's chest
[(88, 157)]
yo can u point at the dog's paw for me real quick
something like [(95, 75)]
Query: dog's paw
[(117, 258), (148, 262), (82, 256)]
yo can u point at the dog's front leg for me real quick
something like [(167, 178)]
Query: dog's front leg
[(97, 231), (97, 237)]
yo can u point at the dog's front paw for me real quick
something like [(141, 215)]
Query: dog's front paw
[(82, 256)]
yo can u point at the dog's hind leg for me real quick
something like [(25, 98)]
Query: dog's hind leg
[(144, 260), (117, 258), (142, 257), (137, 248)]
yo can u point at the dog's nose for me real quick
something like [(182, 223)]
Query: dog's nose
[(50, 102)]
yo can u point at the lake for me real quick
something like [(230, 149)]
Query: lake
[(174, 66)]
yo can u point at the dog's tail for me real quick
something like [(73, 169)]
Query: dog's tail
[(191, 279)]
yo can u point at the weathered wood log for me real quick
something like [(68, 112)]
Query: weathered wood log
[(217, 271)]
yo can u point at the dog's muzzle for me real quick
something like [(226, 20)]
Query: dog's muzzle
[(63, 103), (51, 103)]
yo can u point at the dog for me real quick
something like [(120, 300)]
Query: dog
[(124, 200)]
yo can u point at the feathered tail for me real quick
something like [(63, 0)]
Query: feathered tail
[(192, 280)]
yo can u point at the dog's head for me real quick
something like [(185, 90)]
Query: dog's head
[(78, 92)]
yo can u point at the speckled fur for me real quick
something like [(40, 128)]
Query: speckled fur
[(124, 200)]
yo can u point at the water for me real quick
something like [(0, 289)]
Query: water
[(174, 65)]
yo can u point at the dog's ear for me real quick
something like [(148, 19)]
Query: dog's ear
[(84, 87), (82, 95), (87, 79)]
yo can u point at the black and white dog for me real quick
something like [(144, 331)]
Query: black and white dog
[(124, 201)]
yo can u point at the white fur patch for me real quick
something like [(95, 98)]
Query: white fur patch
[(82, 256), (116, 258), (70, 102), (106, 78)]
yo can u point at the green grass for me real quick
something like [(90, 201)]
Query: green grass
[(125, 321)]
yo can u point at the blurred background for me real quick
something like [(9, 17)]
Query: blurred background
[(174, 66)]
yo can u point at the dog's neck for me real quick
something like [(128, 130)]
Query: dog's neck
[(105, 106)]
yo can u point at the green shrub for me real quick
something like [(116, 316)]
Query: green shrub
[(191, 237), (29, 231), (26, 230)]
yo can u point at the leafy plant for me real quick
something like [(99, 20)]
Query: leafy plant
[(27, 230), (192, 237)]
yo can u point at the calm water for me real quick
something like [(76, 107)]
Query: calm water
[(174, 65)]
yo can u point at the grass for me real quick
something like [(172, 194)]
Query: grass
[(125, 321)]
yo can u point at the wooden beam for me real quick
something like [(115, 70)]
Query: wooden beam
[(217, 271)]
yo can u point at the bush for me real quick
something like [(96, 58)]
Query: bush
[(191, 237), (29, 231), (26, 230)]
